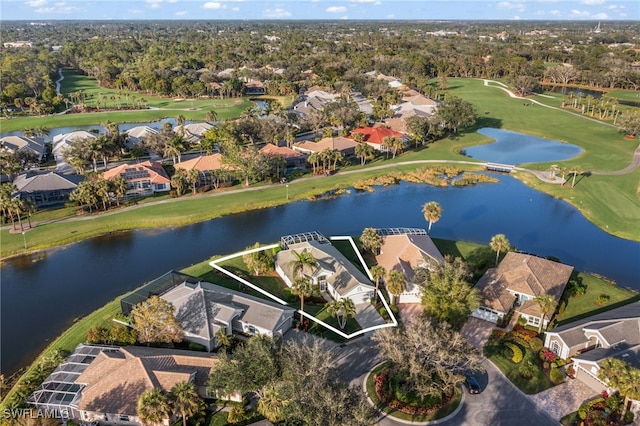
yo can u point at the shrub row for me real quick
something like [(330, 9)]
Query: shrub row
[(518, 354)]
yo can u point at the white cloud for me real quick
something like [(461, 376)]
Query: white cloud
[(336, 9), (60, 9), (600, 16), (391, 16), (213, 5), (172, 1), (276, 13), (593, 2), (36, 3), (516, 18), (181, 13), (362, 1), (555, 12), (378, 3), (134, 11), (235, 9), (509, 5)]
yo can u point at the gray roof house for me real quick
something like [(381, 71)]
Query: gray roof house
[(203, 309), (614, 333), (14, 144), (335, 274), (46, 190), (137, 134), (193, 132), (62, 142)]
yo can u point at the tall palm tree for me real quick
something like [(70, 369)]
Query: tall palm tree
[(371, 240), (342, 310), (302, 288), (211, 116), (621, 376), (303, 261), (432, 212), (575, 171), (378, 273), (153, 406), (186, 401), (119, 188), (396, 284), (547, 304), (364, 152), (192, 176), (498, 243), (222, 338)]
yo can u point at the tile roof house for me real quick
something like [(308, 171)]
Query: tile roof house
[(517, 280), (374, 136), (405, 253), (589, 341), (14, 144), (193, 132), (103, 383), (294, 159), (207, 165), (203, 309), (414, 105), (46, 190), (62, 142), (254, 87), (138, 134), (345, 145), (142, 178), (335, 274)]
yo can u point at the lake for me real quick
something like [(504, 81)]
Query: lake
[(42, 293), (517, 148)]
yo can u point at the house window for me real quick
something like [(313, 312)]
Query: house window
[(251, 329), (533, 320), (323, 283), (124, 418), (555, 347), (160, 186)]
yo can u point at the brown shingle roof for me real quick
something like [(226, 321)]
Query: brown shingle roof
[(115, 381), (334, 144), (273, 151), (203, 163), (407, 252)]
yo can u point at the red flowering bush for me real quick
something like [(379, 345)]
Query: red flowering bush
[(548, 356)]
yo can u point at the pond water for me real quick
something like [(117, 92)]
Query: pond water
[(42, 293), (517, 148)]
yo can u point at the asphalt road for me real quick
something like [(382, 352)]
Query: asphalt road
[(499, 404)]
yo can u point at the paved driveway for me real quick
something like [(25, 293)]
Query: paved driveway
[(565, 398), (477, 332)]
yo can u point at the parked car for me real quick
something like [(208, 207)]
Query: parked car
[(472, 384)]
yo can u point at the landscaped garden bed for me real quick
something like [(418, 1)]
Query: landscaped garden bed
[(385, 388), (605, 410), (520, 356)]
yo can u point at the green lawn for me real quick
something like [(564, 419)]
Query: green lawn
[(579, 307), (537, 383)]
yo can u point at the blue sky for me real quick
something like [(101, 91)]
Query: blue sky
[(599, 10)]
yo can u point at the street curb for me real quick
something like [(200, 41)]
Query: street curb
[(407, 422)]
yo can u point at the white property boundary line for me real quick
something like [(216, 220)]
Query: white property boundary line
[(394, 323)]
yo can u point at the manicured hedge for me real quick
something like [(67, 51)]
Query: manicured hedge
[(518, 354)]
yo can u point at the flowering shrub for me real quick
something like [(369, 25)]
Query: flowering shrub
[(548, 356)]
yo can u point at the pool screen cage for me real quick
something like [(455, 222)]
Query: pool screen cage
[(156, 287)]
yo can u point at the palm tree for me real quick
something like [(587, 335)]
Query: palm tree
[(364, 152), (211, 116), (371, 240), (432, 212), (192, 176), (303, 260), (498, 243), (575, 171), (186, 401), (272, 404), (153, 406), (119, 188), (313, 159), (342, 310), (302, 288), (547, 304), (621, 376), (378, 273), (222, 338), (396, 284)]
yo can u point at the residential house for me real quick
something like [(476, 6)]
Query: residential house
[(103, 383), (396, 124), (193, 132), (589, 341), (254, 88), (416, 105), (364, 105), (312, 100), (62, 142), (144, 178), (345, 146), (294, 159), (514, 284), (203, 309), (137, 135), (335, 274), (208, 166), (374, 136), (13, 144), (404, 252), (47, 189)]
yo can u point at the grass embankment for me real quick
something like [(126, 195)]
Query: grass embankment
[(180, 211), (586, 305)]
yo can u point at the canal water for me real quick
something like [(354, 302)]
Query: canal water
[(44, 292)]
